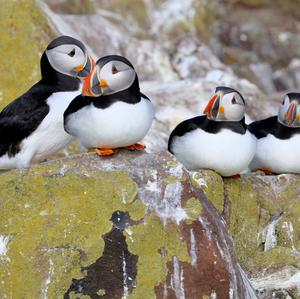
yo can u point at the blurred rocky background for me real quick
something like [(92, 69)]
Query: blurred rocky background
[(182, 50)]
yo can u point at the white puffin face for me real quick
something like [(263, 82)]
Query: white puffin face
[(233, 107), (69, 59), (117, 76), (110, 78), (225, 105), (289, 111)]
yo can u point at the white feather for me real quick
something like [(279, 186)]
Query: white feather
[(118, 125), (277, 155), (226, 152), (48, 138)]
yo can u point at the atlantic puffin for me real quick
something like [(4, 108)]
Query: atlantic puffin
[(111, 113), (31, 127), (278, 139), (218, 140)]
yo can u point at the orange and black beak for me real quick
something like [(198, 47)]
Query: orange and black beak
[(83, 71), (212, 108), (93, 86), (291, 114)]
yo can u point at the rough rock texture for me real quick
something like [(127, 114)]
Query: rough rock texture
[(24, 34), (262, 213), (131, 226)]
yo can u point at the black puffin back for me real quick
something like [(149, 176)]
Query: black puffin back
[(22, 116), (209, 126), (271, 126)]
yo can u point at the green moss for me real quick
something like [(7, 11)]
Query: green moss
[(152, 265), (243, 221), (132, 10), (275, 259), (211, 184), (294, 293), (170, 180), (55, 224), (204, 18), (253, 203), (193, 209), (24, 35)]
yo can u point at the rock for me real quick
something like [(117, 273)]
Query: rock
[(263, 73), (294, 70), (283, 80), (193, 60), (260, 36), (24, 34), (262, 213), (130, 226)]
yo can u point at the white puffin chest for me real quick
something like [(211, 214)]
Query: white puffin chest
[(48, 138), (226, 152), (278, 155), (50, 135), (118, 125)]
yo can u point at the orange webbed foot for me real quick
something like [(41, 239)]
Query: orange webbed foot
[(135, 147), (266, 171), (235, 176), (103, 151)]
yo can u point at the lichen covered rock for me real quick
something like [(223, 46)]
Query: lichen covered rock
[(130, 226), (24, 34), (262, 213)]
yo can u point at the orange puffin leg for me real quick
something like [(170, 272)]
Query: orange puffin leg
[(103, 151), (235, 176), (266, 171), (135, 147)]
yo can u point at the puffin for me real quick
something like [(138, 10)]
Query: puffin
[(218, 140), (31, 126), (278, 139), (111, 113)]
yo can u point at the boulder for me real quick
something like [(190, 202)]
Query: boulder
[(25, 32), (129, 226)]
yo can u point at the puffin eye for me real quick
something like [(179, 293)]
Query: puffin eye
[(72, 53), (233, 101), (114, 70)]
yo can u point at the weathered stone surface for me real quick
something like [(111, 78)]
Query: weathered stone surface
[(262, 213), (130, 226), (24, 34)]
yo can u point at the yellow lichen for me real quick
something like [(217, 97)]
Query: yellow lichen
[(146, 240), (24, 35), (56, 224)]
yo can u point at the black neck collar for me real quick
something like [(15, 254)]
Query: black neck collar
[(130, 95), (59, 81), (283, 132), (211, 126)]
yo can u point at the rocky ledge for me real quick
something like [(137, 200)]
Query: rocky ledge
[(141, 226)]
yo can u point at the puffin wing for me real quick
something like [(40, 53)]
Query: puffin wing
[(21, 117), (185, 127), (263, 127)]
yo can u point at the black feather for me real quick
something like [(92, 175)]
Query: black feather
[(271, 125), (21, 117), (202, 122)]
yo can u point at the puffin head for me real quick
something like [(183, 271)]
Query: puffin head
[(226, 104), (111, 74), (289, 110), (70, 57)]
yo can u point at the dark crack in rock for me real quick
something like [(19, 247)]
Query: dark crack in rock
[(113, 274)]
